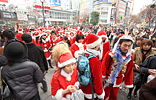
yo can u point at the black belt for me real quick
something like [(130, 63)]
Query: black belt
[(116, 77)]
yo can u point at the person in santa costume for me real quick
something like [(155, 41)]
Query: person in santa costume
[(54, 39), (46, 45), (36, 38), (19, 34), (118, 64), (71, 37), (105, 45), (77, 48), (93, 44), (65, 79)]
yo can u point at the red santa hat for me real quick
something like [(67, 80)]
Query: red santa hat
[(123, 37), (48, 31), (37, 34), (43, 34), (102, 34), (60, 31), (65, 59), (92, 41), (20, 30)]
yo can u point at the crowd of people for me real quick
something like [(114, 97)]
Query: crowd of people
[(117, 56)]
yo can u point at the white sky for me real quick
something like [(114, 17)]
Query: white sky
[(138, 4)]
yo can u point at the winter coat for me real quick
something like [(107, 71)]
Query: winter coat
[(137, 55), (22, 79), (36, 54), (148, 91), (150, 63)]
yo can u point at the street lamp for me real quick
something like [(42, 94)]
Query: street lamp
[(42, 1)]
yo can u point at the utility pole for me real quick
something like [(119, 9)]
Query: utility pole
[(43, 12)]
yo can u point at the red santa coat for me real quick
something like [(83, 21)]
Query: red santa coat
[(77, 48), (18, 36), (58, 84), (95, 66), (54, 42), (106, 72), (71, 40), (46, 45), (104, 47)]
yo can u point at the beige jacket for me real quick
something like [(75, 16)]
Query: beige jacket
[(137, 55)]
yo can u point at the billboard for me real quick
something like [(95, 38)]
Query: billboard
[(55, 2), (104, 1), (39, 10)]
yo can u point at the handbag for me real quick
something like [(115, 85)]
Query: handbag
[(137, 79), (5, 91), (78, 95)]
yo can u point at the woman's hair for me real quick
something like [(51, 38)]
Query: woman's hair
[(60, 49), (68, 42), (78, 37), (146, 41)]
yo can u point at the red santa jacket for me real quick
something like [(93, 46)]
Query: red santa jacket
[(95, 66), (77, 48), (106, 71), (18, 36), (54, 42), (46, 44), (104, 47), (58, 84), (71, 40)]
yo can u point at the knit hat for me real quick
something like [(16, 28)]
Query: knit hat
[(15, 51), (26, 37), (92, 41), (65, 59)]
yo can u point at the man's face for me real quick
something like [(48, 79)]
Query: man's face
[(53, 35), (5, 27), (125, 46), (138, 42)]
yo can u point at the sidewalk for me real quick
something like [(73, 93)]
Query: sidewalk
[(122, 95)]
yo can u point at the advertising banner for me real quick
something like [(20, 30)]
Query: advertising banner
[(22, 17), (6, 1), (8, 15), (39, 10), (55, 2)]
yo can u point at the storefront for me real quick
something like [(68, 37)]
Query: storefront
[(22, 20), (31, 20), (8, 18)]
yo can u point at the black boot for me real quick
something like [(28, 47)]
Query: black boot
[(129, 96), (135, 94), (130, 93)]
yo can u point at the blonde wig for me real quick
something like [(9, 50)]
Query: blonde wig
[(60, 49)]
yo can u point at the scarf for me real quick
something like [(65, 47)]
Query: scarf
[(121, 61)]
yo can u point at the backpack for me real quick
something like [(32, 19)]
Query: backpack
[(84, 71)]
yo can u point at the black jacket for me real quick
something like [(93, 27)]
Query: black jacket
[(150, 63), (36, 54), (22, 79)]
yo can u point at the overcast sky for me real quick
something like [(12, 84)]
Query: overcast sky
[(138, 4)]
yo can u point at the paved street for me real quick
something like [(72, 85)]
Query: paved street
[(47, 95)]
